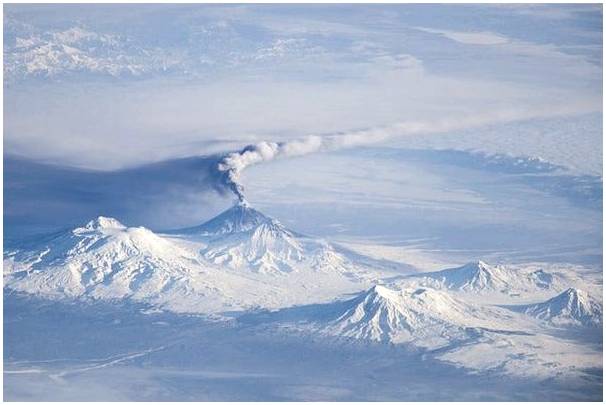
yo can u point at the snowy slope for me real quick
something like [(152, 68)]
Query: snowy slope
[(245, 239), (241, 217), (207, 270), (471, 335), (571, 307), (422, 317), (242, 236), (106, 260), (480, 277)]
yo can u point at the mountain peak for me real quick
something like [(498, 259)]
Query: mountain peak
[(424, 316), (240, 217), (473, 276), (574, 293), (477, 266), (102, 222), (572, 298), (244, 235), (480, 263), (382, 292), (571, 306)]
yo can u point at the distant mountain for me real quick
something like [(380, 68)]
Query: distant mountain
[(475, 276), (481, 277), (422, 316), (33, 53), (571, 307)]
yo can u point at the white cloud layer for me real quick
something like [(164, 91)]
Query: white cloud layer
[(471, 38), (244, 74)]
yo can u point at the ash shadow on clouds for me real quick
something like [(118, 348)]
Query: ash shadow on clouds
[(42, 198)]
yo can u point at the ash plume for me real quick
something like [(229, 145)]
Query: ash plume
[(233, 164)]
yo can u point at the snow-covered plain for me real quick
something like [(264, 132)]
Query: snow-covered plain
[(70, 351)]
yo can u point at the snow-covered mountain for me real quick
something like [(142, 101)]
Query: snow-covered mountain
[(241, 217), (107, 260), (480, 277), (300, 285), (244, 238), (201, 270), (571, 307), (34, 53), (424, 317), (243, 259)]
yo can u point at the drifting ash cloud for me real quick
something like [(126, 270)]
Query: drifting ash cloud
[(233, 164)]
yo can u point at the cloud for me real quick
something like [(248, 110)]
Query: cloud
[(562, 65), (549, 11), (102, 127), (233, 164), (253, 73), (470, 38)]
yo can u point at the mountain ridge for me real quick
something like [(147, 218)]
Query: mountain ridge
[(263, 265), (480, 277)]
